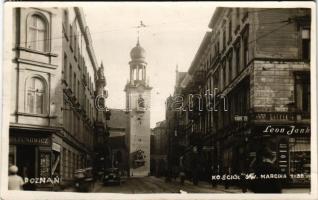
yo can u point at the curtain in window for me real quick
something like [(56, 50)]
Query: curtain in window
[(35, 96), (37, 33)]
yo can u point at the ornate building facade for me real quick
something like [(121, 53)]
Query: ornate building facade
[(54, 74), (254, 68)]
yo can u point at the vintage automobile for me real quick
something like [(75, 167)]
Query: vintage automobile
[(83, 180), (111, 175)]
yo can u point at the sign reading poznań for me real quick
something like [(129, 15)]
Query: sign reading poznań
[(289, 130)]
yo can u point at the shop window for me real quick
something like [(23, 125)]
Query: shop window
[(45, 164), (36, 91), (64, 163), (299, 153), (37, 33), (302, 92)]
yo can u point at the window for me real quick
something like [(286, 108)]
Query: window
[(78, 90), (230, 31), (224, 40), (71, 36), (64, 66), (303, 92), (37, 33), (65, 22), (35, 96), (245, 50), (305, 36), (230, 67), (70, 76), (224, 81), (74, 85), (216, 78), (237, 57)]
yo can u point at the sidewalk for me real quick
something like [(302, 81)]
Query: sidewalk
[(236, 189)]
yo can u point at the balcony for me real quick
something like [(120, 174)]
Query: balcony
[(279, 116)]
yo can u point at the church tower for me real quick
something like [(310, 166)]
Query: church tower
[(138, 109)]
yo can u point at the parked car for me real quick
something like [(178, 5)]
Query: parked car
[(83, 180), (111, 175)]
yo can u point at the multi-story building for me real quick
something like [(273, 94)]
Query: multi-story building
[(54, 73), (159, 150), (101, 143), (118, 146), (251, 85)]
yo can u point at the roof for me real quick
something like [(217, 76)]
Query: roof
[(118, 119), (179, 77), (215, 16), (205, 42), (161, 124)]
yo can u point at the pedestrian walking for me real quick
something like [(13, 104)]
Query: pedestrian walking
[(182, 175), (15, 181), (266, 167)]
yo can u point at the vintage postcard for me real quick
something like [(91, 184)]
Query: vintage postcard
[(159, 100)]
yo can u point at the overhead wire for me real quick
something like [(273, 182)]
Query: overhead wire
[(133, 27)]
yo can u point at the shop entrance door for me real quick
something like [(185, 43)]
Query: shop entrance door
[(26, 160)]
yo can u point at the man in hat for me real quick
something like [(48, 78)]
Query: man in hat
[(267, 167), (15, 181)]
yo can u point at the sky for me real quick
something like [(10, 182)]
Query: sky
[(173, 34)]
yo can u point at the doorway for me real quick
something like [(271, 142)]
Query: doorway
[(26, 161)]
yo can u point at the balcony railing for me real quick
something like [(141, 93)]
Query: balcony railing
[(279, 116)]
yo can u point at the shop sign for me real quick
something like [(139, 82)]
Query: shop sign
[(30, 140), (56, 147), (207, 148), (287, 130), (239, 118)]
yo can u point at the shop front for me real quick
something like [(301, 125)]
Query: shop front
[(36, 156), (291, 146)]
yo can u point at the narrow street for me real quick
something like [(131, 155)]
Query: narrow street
[(158, 185), (155, 185)]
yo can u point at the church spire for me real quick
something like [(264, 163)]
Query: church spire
[(138, 44)]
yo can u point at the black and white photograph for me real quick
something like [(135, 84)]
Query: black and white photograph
[(170, 98)]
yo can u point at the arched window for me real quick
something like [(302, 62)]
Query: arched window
[(37, 33), (36, 96)]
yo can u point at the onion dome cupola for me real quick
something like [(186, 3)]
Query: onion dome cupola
[(138, 53)]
